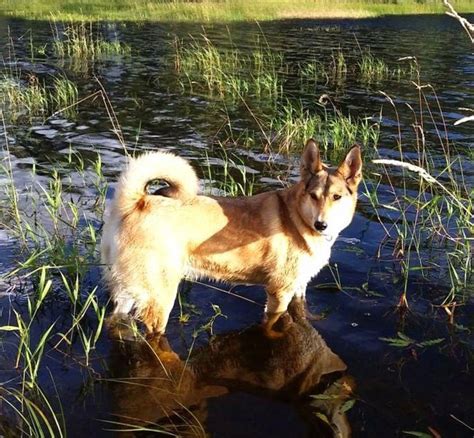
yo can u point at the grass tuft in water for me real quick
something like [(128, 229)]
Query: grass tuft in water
[(372, 69), (82, 44), (430, 209), (30, 98), (334, 131), (230, 73)]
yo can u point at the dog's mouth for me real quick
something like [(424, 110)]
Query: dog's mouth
[(326, 235)]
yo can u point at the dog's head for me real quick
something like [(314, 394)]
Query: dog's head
[(329, 197)]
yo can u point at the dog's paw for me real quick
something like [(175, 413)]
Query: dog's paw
[(275, 325), (121, 327)]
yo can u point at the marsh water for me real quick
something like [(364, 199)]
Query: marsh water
[(237, 389)]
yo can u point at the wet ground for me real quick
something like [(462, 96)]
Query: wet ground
[(416, 388)]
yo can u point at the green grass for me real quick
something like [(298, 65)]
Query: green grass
[(334, 131), (230, 73), (428, 222), (81, 45), (373, 69), (29, 98), (216, 11)]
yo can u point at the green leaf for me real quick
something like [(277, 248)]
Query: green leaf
[(9, 328), (430, 342), (405, 337), (418, 434), (324, 397), (347, 405), (396, 342), (323, 417)]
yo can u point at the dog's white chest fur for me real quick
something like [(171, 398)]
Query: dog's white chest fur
[(311, 264)]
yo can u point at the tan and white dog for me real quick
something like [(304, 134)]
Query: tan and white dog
[(280, 239)]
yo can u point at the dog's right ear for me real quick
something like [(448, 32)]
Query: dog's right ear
[(310, 160)]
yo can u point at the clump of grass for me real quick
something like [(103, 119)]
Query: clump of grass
[(19, 98), (82, 45), (230, 73), (30, 98), (338, 67), (334, 131), (312, 72), (372, 69), (429, 225), (231, 178), (57, 247), (64, 96)]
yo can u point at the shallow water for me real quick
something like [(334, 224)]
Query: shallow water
[(397, 389)]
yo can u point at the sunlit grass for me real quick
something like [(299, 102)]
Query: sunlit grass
[(230, 73), (216, 11), (334, 131), (428, 222), (30, 98), (81, 45)]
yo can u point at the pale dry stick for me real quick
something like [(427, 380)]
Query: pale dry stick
[(117, 129), (228, 292), (91, 96), (465, 119), (467, 26)]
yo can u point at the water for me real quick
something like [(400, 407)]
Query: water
[(397, 389)]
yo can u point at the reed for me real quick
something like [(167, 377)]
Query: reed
[(29, 98), (230, 73)]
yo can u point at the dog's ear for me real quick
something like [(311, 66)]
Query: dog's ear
[(310, 160), (351, 167)]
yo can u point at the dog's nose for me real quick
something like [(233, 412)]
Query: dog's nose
[(320, 226)]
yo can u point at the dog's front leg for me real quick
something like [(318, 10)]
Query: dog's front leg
[(277, 304), (300, 299)]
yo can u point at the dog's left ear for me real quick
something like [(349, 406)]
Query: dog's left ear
[(351, 167)]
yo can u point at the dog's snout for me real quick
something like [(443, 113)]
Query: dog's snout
[(320, 226)]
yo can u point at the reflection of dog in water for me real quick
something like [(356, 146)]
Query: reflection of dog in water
[(280, 239), (154, 386)]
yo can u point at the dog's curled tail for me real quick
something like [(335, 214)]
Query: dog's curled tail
[(176, 171)]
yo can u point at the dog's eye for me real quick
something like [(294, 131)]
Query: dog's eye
[(336, 197), (313, 196)]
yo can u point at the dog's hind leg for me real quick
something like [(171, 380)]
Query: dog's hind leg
[(158, 307)]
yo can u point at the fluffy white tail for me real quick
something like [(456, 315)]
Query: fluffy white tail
[(177, 172)]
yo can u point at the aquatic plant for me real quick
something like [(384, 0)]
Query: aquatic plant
[(372, 69), (228, 74), (231, 178), (334, 131), (81, 44), (29, 98), (433, 213)]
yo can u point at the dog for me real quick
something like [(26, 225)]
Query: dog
[(279, 239)]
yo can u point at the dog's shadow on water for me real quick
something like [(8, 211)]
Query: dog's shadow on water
[(154, 389)]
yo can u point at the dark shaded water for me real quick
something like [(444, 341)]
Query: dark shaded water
[(397, 389)]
